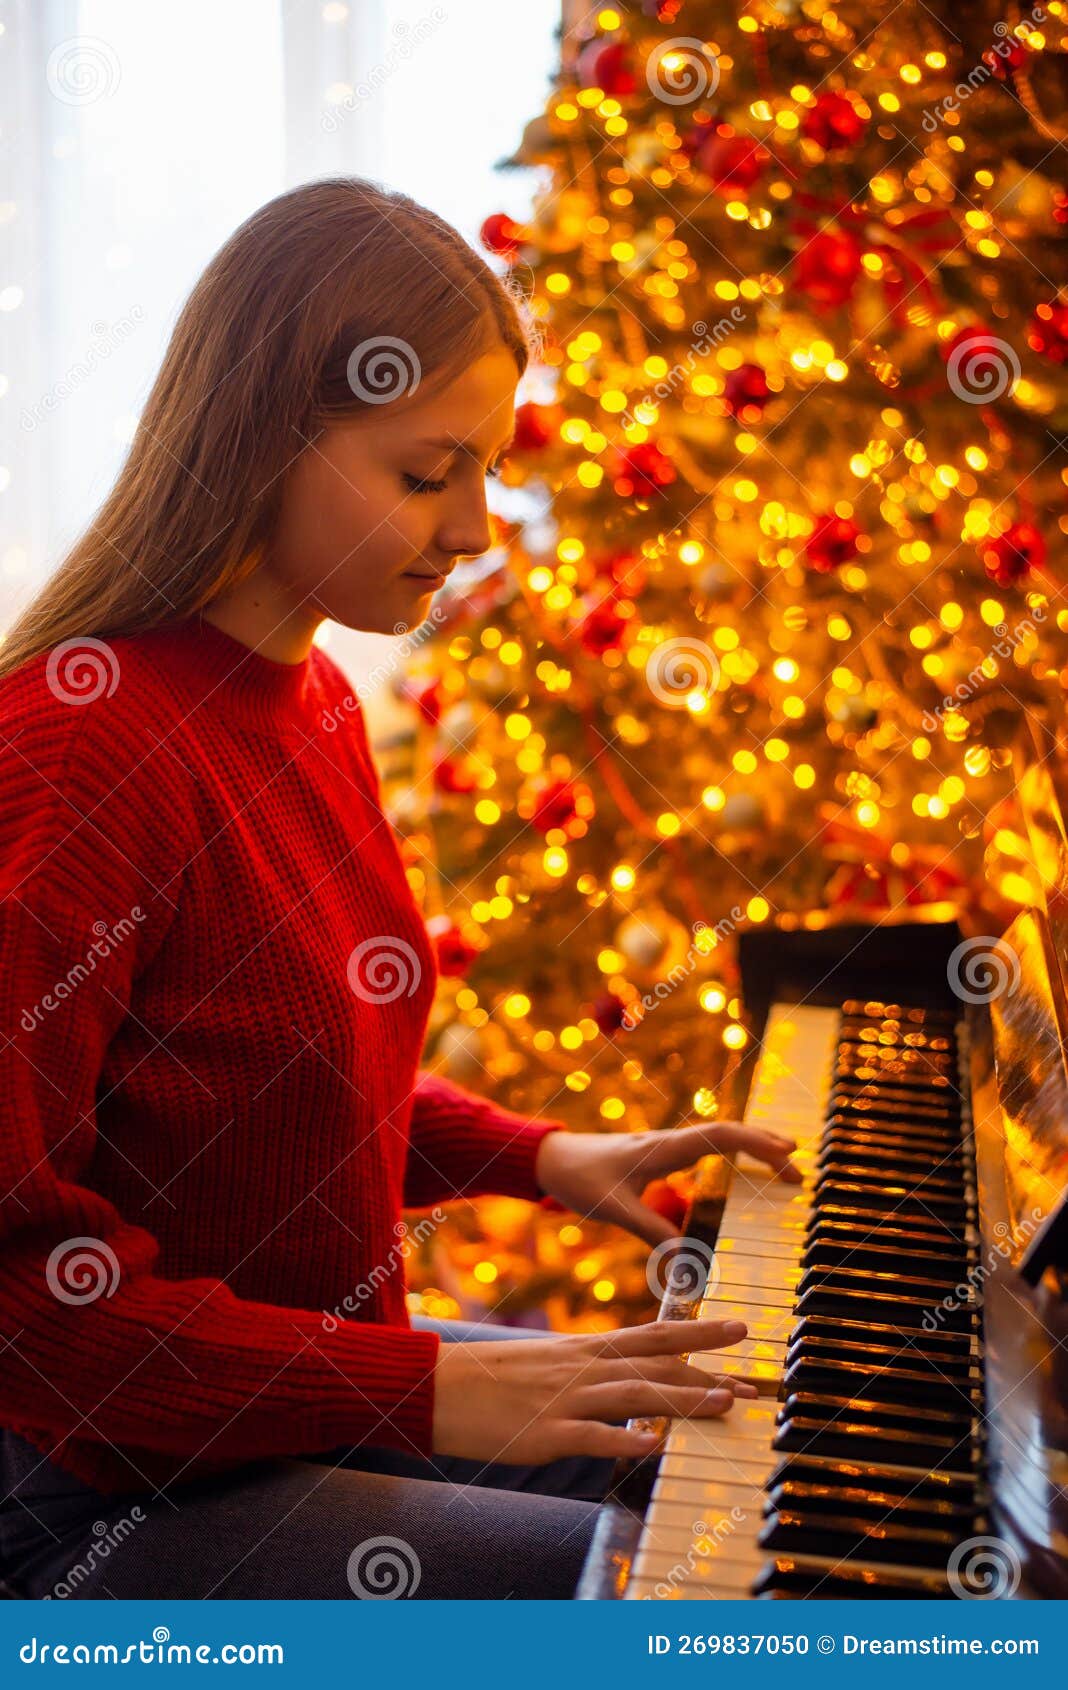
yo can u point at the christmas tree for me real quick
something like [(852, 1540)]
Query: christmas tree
[(787, 574)]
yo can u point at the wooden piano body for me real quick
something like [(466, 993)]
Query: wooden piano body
[(911, 1438)]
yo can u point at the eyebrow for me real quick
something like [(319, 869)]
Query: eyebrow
[(455, 445)]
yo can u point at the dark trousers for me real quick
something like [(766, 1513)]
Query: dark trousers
[(367, 1523)]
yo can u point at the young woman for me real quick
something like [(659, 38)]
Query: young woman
[(217, 984)]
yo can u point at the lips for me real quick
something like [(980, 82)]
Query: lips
[(426, 575)]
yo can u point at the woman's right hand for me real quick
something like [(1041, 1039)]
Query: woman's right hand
[(531, 1400)]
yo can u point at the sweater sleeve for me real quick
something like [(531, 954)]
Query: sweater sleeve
[(97, 1344), (462, 1145)]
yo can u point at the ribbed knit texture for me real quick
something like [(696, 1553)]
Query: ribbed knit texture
[(200, 1075)]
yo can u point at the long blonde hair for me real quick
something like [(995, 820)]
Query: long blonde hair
[(257, 363)]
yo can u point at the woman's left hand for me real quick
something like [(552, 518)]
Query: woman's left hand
[(603, 1175)]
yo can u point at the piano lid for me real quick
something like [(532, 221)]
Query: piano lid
[(1029, 1016)]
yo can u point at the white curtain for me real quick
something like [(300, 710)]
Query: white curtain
[(137, 134)]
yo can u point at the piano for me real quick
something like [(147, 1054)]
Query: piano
[(907, 1304)]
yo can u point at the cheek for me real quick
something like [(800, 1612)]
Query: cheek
[(330, 521)]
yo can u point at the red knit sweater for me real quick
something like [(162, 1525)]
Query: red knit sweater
[(210, 1068)]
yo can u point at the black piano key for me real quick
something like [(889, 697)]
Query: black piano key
[(892, 1035), (839, 1150), (887, 1105), (952, 1352), (837, 1219), (922, 1182), (872, 1010), (833, 1495), (916, 1446), (890, 1199), (786, 1579), (900, 1130), (895, 1383), (908, 1069), (901, 1314), (877, 1246), (954, 1423), (843, 1537), (908, 1286), (936, 1488)]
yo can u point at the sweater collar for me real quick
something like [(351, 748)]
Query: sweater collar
[(260, 689)]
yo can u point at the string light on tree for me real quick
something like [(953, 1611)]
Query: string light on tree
[(799, 406)]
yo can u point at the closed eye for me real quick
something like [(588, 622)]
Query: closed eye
[(426, 484), (418, 485)]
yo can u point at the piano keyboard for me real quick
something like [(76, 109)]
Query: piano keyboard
[(857, 1470)]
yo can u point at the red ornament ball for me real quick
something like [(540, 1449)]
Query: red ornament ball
[(828, 267), (746, 392), (1014, 554), (607, 65), (1049, 331), (643, 471), (560, 805), (834, 122), (535, 426), (603, 628), (452, 775), (501, 235), (623, 571), (733, 163), (425, 694), (982, 343), (454, 953), (832, 543), (661, 1195), (608, 1012), (1007, 56)]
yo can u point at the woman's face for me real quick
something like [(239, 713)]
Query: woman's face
[(377, 511)]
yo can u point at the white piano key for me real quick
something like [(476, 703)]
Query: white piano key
[(750, 1424), (652, 1590), (780, 1249), (701, 1468), (761, 1320), (728, 1556), (707, 1499), (755, 1277)]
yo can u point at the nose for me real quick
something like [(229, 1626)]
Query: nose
[(465, 532)]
